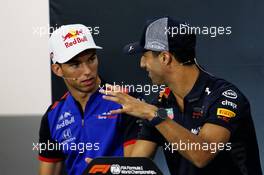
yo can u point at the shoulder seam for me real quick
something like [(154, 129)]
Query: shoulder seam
[(58, 101)]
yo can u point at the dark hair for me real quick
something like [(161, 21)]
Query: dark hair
[(186, 61), (155, 53)]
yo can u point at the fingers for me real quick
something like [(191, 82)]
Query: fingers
[(106, 92), (115, 88), (119, 95), (117, 111), (112, 98), (88, 160)]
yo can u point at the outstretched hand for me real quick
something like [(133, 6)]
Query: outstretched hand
[(130, 105)]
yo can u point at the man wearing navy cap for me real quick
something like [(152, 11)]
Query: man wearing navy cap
[(78, 125), (202, 122)]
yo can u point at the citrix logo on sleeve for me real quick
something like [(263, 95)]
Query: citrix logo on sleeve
[(229, 103)]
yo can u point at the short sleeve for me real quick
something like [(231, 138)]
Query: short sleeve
[(46, 143), (150, 133), (131, 127)]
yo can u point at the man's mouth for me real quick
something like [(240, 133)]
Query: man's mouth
[(88, 82)]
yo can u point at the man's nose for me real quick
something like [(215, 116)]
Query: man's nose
[(86, 69), (142, 62)]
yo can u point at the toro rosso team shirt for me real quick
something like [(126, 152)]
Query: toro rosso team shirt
[(67, 134), (211, 100)]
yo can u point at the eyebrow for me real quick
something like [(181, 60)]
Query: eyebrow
[(72, 61), (75, 60), (92, 55)]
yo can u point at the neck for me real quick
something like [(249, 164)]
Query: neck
[(182, 83), (83, 97)]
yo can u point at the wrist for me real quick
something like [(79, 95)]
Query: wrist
[(152, 110), (160, 116)]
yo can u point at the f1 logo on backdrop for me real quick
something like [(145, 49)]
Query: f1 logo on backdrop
[(103, 169), (122, 165)]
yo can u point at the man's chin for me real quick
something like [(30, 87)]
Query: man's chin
[(154, 82), (89, 89)]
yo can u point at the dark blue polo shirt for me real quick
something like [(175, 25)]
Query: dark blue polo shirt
[(216, 101)]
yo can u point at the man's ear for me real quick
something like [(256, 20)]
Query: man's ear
[(166, 57), (57, 70)]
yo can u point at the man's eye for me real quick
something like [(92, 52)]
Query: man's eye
[(92, 59), (74, 65)]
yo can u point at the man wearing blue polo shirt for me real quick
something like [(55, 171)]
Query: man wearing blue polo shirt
[(202, 122), (79, 124)]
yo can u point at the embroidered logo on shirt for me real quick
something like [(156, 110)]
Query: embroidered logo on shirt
[(67, 136), (225, 113), (196, 130), (230, 94), (65, 119), (106, 115), (197, 112), (207, 90), (229, 103), (64, 115)]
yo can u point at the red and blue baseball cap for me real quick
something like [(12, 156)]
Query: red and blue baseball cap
[(165, 34)]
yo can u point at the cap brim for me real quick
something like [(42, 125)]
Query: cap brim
[(76, 52), (133, 48)]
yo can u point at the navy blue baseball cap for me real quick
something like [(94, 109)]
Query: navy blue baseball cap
[(165, 34)]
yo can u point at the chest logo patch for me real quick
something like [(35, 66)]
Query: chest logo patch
[(106, 115), (207, 90), (64, 120), (67, 136), (197, 112), (195, 130)]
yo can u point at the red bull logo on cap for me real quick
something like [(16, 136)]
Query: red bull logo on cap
[(75, 35), (72, 34)]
